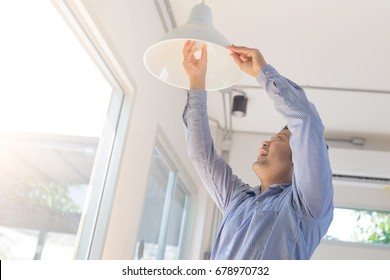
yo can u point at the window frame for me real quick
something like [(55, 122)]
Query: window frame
[(180, 175), (95, 218), (186, 221)]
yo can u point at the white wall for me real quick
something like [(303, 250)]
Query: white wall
[(129, 27), (338, 250)]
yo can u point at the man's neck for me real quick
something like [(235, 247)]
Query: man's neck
[(265, 184), (264, 187)]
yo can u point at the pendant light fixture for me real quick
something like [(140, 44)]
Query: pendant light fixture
[(164, 59)]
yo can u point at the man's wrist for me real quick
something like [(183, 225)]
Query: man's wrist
[(197, 84)]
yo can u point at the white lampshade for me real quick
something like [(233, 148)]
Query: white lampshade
[(164, 59)]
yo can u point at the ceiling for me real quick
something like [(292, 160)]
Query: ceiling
[(325, 43)]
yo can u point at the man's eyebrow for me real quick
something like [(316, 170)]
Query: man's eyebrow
[(278, 134)]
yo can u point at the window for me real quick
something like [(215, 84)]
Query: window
[(54, 102), (165, 214), (355, 225)]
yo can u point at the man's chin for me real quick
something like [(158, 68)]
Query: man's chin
[(261, 160), (259, 163)]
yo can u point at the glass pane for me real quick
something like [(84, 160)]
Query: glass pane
[(176, 220), (357, 225), (53, 104), (149, 229)]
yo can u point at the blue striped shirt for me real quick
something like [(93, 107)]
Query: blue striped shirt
[(285, 221)]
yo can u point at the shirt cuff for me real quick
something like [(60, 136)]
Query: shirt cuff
[(196, 97), (267, 73)]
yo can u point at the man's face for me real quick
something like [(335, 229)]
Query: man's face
[(275, 153)]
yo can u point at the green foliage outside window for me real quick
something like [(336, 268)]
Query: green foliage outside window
[(379, 229), (362, 226)]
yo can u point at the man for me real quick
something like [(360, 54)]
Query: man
[(287, 215)]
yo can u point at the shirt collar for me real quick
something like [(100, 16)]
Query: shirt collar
[(256, 190)]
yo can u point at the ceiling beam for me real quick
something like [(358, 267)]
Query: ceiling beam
[(323, 88)]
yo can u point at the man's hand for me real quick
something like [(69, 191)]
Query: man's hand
[(249, 60), (195, 68)]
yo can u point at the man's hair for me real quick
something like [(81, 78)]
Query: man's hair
[(286, 127)]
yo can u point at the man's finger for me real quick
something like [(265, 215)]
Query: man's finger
[(188, 45), (236, 58), (204, 52), (239, 49)]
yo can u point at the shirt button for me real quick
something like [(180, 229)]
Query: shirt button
[(257, 202)]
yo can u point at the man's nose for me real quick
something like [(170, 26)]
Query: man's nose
[(266, 143)]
